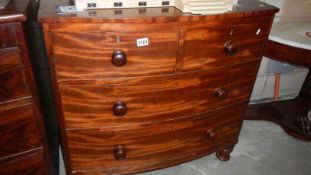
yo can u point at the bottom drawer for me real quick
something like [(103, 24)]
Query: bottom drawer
[(120, 150), (18, 131), (32, 164)]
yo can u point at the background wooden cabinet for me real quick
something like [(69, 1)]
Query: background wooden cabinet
[(23, 144)]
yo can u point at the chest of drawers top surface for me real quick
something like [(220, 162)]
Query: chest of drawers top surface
[(48, 13)]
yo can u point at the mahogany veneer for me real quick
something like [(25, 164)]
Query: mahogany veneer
[(23, 146), (125, 109), (291, 115)]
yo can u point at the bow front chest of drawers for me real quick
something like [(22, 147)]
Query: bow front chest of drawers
[(143, 89)]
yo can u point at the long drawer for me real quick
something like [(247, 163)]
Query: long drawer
[(121, 150), (208, 48), (18, 131), (107, 54), (154, 99), (31, 164)]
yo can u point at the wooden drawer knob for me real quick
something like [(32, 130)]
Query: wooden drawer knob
[(118, 58), (119, 109), (221, 93), (231, 47), (211, 134), (119, 153)]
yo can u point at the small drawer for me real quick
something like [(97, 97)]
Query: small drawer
[(95, 55), (18, 131), (12, 78), (153, 99), (9, 58), (208, 48), (12, 85), (7, 36), (122, 150)]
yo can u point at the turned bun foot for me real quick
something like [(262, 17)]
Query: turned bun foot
[(224, 154)]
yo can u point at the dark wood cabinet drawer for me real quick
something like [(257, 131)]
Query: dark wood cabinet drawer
[(12, 79), (18, 131), (121, 150), (98, 104), (208, 48), (32, 164), (7, 36), (95, 55), (12, 85), (9, 58)]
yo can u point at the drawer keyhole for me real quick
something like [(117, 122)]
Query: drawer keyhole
[(120, 153)]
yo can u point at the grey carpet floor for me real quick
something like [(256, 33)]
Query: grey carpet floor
[(263, 149)]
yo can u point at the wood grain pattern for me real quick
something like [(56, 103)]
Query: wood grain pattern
[(203, 48), (158, 107), (291, 115), (18, 132), (288, 54), (9, 58), (247, 8), (14, 11), (158, 99), (22, 130), (7, 36), (32, 164), (155, 144), (12, 78), (87, 55)]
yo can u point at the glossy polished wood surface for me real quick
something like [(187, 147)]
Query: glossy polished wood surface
[(15, 11), (155, 99), (48, 13), (31, 164), (18, 131), (73, 50), (125, 109), (7, 36), (23, 148), (289, 54), (291, 115), (12, 77), (154, 145), (204, 47)]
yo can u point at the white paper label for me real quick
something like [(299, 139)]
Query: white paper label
[(142, 42)]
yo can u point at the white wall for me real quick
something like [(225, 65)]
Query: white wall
[(291, 82)]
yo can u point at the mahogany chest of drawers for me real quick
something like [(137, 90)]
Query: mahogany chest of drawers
[(125, 108), (23, 145)]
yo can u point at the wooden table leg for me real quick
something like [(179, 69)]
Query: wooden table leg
[(302, 120), (291, 115)]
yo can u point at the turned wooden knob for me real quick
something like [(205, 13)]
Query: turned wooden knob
[(119, 153), (210, 134), (221, 93), (119, 109), (118, 58), (231, 47)]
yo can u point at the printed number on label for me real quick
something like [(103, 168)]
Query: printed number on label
[(142, 42)]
